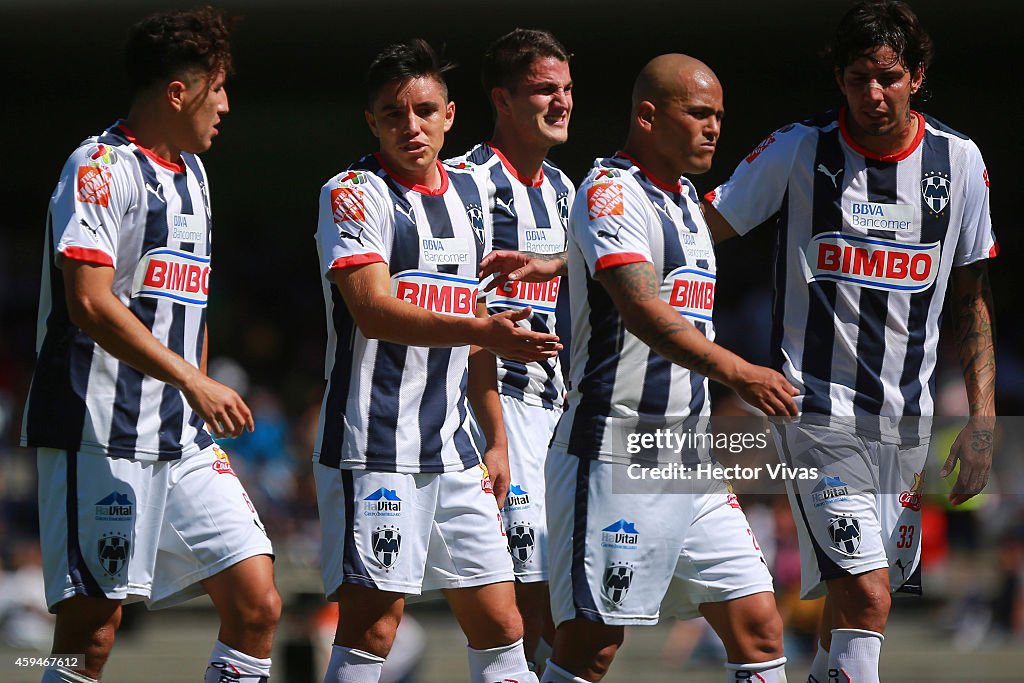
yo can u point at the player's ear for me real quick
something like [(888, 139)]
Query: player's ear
[(916, 80), (501, 99), (175, 94), (645, 115), (371, 121), (449, 116)]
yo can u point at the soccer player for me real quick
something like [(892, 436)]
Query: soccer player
[(136, 500), (405, 504), (880, 209), (526, 76), (641, 277)]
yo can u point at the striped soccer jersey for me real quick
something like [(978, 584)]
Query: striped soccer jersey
[(390, 407), (528, 216), (118, 204), (864, 252), (622, 214)]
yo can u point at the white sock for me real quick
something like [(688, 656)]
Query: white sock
[(540, 656), (758, 672), (228, 665), (500, 663), (854, 655), (59, 674), (556, 674), (349, 665), (819, 667)]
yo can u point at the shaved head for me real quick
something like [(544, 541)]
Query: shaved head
[(676, 116), (671, 76)]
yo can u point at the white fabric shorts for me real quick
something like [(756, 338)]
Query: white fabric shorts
[(529, 430), (151, 531), (621, 559), (409, 533), (863, 512)]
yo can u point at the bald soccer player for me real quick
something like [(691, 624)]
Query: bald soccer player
[(642, 354)]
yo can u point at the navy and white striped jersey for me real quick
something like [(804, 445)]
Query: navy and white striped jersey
[(118, 204), (622, 214), (390, 407), (528, 216), (864, 252)]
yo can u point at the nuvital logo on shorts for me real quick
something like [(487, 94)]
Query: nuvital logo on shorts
[(382, 503), (117, 507), (829, 490), (621, 534), (518, 498)]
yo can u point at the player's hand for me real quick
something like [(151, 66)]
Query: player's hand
[(508, 265), (505, 339), (220, 406), (496, 462), (973, 450), (766, 390)]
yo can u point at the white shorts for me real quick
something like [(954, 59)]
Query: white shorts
[(529, 429), (863, 512), (408, 533), (131, 530), (622, 559)]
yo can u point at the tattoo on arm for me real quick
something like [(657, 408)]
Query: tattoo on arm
[(636, 283), (975, 332)]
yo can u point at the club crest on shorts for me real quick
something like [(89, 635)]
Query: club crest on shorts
[(113, 548), (845, 534), (616, 582), (521, 542), (387, 542)]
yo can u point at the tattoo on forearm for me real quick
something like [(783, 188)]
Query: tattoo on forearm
[(560, 256), (975, 331), (636, 281), (662, 340)]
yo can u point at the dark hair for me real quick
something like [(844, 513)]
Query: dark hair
[(511, 56), (403, 61), (164, 45), (881, 23)]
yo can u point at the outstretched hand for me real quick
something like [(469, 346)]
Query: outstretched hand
[(507, 265), (505, 339)]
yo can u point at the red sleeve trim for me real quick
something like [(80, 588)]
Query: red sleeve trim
[(357, 260), (97, 256), (620, 259), (994, 251), (710, 197)]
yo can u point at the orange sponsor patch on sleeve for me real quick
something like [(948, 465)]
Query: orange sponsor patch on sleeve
[(347, 204), (604, 199), (94, 185)]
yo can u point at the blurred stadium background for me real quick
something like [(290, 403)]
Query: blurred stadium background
[(296, 119)]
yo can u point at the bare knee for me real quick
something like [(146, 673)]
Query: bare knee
[(861, 601), (750, 627), (87, 625), (261, 612), (586, 649), (368, 619)]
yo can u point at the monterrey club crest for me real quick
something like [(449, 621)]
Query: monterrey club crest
[(845, 534), (521, 542), (387, 542), (112, 551), (476, 218), (935, 191), (615, 584)]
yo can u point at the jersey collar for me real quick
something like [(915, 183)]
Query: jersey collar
[(896, 156), (416, 187), (677, 188), (511, 169), (150, 154)]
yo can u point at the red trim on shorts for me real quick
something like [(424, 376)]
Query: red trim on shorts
[(668, 187), (416, 187), (86, 255), (170, 165), (620, 259), (356, 260), (896, 156), (511, 169)]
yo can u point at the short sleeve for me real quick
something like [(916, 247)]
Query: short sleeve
[(977, 239), (97, 188), (610, 223), (353, 224), (755, 191)]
